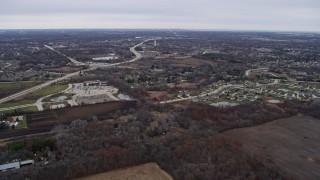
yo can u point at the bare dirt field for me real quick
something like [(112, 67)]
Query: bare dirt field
[(196, 61), (159, 95), (65, 69), (292, 144), (187, 85), (44, 121), (140, 172), (172, 62)]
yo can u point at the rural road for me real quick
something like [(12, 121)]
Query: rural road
[(92, 67), (201, 95), (7, 65), (247, 73)]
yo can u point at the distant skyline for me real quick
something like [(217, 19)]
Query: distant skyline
[(269, 15)]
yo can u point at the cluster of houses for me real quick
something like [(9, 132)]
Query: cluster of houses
[(293, 68), (281, 91), (13, 121), (251, 91)]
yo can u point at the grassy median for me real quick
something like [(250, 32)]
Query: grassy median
[(17, 85), (26, 109), (18, 103), (50, 90)]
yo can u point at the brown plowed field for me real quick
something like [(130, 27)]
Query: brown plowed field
[(44, 121), (65, 69), (292, 144), (140, 172)]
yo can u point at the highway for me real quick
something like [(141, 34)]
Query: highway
[(132, 49), (77, 63), (92, 67)]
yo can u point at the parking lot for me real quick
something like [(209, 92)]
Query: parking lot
[(91, 94)]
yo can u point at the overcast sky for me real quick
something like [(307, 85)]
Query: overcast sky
[(284, 15)]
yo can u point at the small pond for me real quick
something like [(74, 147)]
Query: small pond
[(57, 106), (124, 97), (274, 101), (58, 99)]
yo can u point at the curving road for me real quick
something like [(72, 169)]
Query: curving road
[(201, 95), (132, 49), (92, 67), (247, 73)]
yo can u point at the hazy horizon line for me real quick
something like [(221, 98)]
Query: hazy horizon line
[(164, 29)]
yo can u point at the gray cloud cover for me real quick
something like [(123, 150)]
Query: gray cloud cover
[(291, 15)]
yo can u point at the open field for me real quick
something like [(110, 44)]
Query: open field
[(64, 69), (292, 144), (17, 85), (159, 95), (195, 61), (186, 85), (23, 102), (50, 90), (140, 172), (44, 121), (171, 61), (25, 109), (8, 88)]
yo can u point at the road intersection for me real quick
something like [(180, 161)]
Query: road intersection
[(91, 67)]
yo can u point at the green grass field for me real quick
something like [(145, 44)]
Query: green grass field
[(26, 109), (23, 123), (17, 85), (29, 109), (50, 90), (6, 105), (207, 102), (46, 91)]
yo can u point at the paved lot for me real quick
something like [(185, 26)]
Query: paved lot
[(92, 94)]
